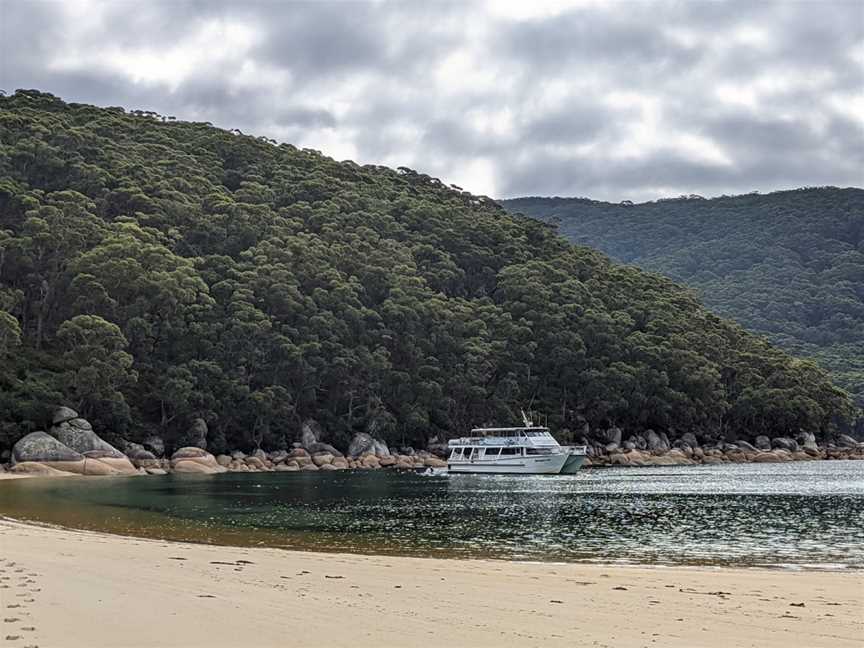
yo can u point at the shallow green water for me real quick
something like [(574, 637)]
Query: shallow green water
[(798, 514)]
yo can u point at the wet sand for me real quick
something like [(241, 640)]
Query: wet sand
[(65, 588)]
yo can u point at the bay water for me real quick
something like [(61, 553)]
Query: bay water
[(792, 515)]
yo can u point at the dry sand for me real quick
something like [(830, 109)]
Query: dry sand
[(64, 588)]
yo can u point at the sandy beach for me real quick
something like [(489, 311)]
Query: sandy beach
[(64, 588)]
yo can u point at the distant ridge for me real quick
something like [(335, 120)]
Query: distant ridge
[(788, 264)]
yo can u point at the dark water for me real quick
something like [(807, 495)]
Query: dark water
[(799, 514)]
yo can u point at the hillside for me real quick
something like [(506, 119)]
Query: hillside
[(788, 265), (154, 271)]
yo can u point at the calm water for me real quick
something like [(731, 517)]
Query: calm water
[(801, 514)]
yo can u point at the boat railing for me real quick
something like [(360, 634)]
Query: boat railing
[(499, 441)]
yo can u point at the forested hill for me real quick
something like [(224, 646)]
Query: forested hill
[(788, 265), (154, 271)]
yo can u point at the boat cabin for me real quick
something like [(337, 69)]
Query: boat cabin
[(502, 443), (528, 449)]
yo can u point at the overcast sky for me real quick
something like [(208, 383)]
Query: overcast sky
[(631, 100)]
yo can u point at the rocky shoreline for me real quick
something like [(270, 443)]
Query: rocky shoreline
[(729, 453), (71, 447), (655, 449)]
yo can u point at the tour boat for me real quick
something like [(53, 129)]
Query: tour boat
[(526, 450)]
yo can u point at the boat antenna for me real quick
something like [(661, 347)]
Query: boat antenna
[(525, 420)]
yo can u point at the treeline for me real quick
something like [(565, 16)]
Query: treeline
[(154, 271), (787, 265)]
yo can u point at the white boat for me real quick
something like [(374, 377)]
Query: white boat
[(526, 450)]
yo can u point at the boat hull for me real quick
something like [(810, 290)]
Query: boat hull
[(574, 462), (537, 465)]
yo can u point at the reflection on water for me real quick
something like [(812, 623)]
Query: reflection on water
[(770, 514)]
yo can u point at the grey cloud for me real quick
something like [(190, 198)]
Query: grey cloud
[(365, 73), (305, 117), (317, 40), (578, 122), (554, 175), (572, 125), (450, 135), (310, 38), (767, 155), (573, 34), (826, 32)]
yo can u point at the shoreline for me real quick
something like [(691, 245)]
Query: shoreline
[(18, 503), (817, 568), (615, 461), (86, 588)]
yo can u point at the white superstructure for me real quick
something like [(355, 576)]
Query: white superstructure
[(529, 450)]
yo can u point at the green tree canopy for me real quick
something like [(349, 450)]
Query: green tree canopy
[(255, 285), (98, 365), (787, 265)]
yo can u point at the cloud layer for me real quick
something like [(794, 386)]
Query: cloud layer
[(611, 101)]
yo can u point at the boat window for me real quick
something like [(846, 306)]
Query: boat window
[(537, 451), (492, 452), (457, 453), (509, 451)]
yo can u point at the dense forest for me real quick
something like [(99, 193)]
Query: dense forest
[(155, 271), (787, 265)]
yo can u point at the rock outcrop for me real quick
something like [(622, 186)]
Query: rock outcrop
[(63, 414), (784, 443), (364, 443), (278, 456), (770, 456), (688, 440), (255, 463), (762, 442), (846, 441), (154, 443), (310, 432), (76, 433), (40, 469), (717, 450), (322, 459), (139, 456), (310, 439), (380, 449), (192, 459), (807, 440), (42, 448), (612, 436), (656, 442)]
